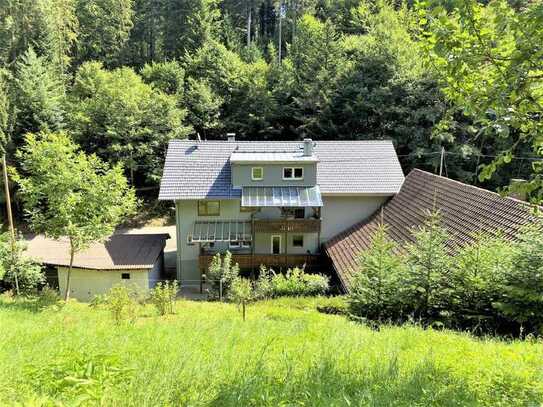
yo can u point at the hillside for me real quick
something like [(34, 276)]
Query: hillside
[(286, 353)]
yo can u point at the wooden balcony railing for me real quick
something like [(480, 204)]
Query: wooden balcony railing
[(287, 225), (249, 261)]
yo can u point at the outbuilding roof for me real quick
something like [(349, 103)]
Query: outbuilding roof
[(119, 252), (200, 170), (464, 209)]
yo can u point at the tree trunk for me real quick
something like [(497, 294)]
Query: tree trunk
[(67, 293), (249, 18), (280, 29), (10, 220), (243, 309)]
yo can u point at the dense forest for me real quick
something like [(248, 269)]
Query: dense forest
[(123, 77)]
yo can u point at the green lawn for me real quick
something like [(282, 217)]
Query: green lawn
[(286, 353)]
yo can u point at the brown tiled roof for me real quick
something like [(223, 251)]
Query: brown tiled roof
[(119, 252), (464, 209)]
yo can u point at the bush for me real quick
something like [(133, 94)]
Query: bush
[(263, 285), (16, 269), (221, 272), (123, 303), (163, 297), (297, 283), (48, 297)]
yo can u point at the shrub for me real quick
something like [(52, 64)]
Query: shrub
[(522, 293), (48, 297), (16, 269), (297, 283), (221, 273), (123, 302), (375, 285), (241, 292), (263, 285), (163, 297)]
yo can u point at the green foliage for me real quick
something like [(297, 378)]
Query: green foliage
[(241, 292), (427, 281), (490, 65), (16, 268), (124, 120), (67, 194), (167, 77), (203, 107), (374, 289), (480, 271), (38, 96), (187, 358), (104, 29), (123, 303), (295, 282), (221, 273), (522, 295), (163, 296), (4, 114)]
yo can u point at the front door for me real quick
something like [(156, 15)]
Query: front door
[(276, 244)]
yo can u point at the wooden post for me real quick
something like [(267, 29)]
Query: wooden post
[(10, 219), (286, 243)]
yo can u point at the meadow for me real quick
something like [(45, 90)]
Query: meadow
[(285, 353)]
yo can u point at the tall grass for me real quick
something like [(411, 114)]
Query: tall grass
[(286, 353)]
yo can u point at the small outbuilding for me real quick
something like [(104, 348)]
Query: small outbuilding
[(122, 259)]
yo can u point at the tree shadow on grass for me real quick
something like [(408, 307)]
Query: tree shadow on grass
[(325, 385), (33, 305)]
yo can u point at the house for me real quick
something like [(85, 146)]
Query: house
[(464, 209), (271, 202), (122, 259)]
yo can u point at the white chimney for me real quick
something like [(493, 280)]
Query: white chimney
[(231, 137), (308, 147)]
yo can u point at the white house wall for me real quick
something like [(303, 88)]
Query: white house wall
[(341, 212), (85, 284)]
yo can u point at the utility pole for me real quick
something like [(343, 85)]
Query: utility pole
[(10, 220), (441, 161)]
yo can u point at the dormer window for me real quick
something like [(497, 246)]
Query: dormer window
[(293, 173), (257, 173)]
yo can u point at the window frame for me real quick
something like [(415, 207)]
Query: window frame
[(293, 170), (206, 202), (294, 238), (253, 178)]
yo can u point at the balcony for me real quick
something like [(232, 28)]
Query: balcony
[(277, 261), (287, 225)]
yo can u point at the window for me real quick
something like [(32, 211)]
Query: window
[(240, 244), (257, 173), (125, 276), (299, 213), (209, 208), (293, 173), (298, 241)]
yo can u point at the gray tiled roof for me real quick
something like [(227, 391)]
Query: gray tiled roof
[(198, 170)]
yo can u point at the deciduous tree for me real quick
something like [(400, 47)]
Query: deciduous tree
[(67, 194)]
